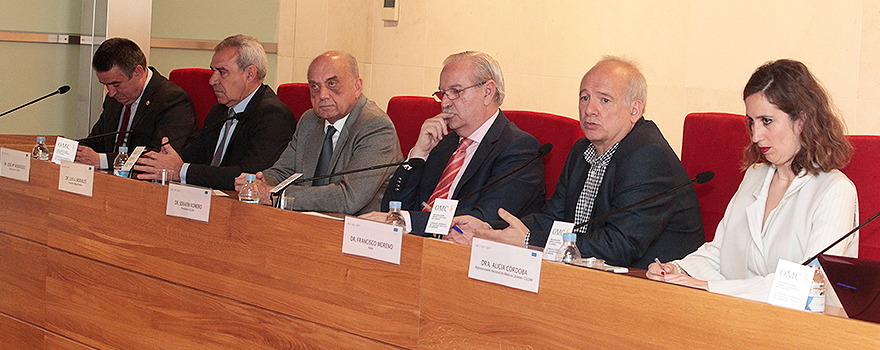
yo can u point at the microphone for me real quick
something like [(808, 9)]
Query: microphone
[(805, 263), (701, 178), (221, 121), (103, 135), (542, 151), (60, 91), (412, 162)]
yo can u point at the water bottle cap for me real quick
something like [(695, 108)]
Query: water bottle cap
[(250, 177), (394, 205), (41, 139), (123, 149), (569, 237)]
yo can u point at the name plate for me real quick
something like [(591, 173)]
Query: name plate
[(76, 178), (442, 213), (189, 202), (505, 264), (554, 241), (15, 164), (65, 150), (371, 239), (791, 285)]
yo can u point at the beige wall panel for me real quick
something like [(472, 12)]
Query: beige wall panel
[(727, 40), (578, 34), (516, 36), (650, 32), (301, 70), (403, 42), (825, 35), (560, 95), (451, 29), (869, 58), (708, 100), (520, 92), (867, 118), (666, 106), (311, 28), (349, 28)]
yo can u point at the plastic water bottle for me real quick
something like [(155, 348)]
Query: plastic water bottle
[(41, 152), (395, 217), (569, 250), (120, 160), (816, 297), (249, 193)]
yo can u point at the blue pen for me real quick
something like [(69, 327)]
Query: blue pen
[(455, 227)]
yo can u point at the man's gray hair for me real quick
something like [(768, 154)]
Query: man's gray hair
[(250, 52), (636, 85), (485, 68)]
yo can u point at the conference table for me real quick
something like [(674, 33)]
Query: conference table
[(113, 271)]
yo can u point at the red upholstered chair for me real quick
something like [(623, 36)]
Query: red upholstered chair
[(195, 82), (862, 170), (561, 131), (296, 97), (408, 113), (714, 141)]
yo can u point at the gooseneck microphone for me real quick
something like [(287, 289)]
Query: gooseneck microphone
[(205, 127), (60, 91), (542, 151), (805, 263), (701, 178), (412, 162)]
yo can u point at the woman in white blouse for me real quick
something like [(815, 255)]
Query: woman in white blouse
[(792, 202)]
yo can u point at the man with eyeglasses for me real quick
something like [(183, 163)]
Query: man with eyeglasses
[(343, 131), (467, 146)]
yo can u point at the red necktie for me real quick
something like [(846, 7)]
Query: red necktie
[(126, 115), (452, 169)]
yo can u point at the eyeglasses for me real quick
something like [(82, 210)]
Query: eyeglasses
[(453, 93)]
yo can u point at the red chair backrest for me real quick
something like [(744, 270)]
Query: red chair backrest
[(862, 170), (296, 97), (715, 142), (195, 82), (561, 131), (408, 113)]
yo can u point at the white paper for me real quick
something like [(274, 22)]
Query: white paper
[(133, 158), (442, 213), (76, 178), (791, 285), (284, 183), (554, 241), (372, 239), (65, 150), (15, 164), (505, 264), (188, 202)]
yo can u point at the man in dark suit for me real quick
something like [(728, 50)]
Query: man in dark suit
[(343, 131), (623, 159), (139, 100), (246, 131), (482, 146)]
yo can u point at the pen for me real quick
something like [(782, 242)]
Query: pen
[(662, 271), (455, 227), (426, 207)]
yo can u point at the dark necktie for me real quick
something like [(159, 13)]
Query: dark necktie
[(221, 142), (120, 138), (326, 154)]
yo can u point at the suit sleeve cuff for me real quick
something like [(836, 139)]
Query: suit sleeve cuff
[(183, 169), (103, 160)]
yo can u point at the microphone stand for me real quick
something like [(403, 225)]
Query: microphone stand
[(60, 91), (805, 263), (542, 151)]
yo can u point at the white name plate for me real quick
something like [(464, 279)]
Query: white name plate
[(189, 202), (372, 239), (554, 241), (65, 150), (791, 285), (442, 213), (76, 178), (15, 164), (505, 264)]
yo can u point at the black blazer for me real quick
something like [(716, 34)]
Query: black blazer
[(643, 165), (504, 148), (263, 131), (164, 110)]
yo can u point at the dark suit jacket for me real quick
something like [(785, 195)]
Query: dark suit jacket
[(504, 148), (164, 110), (643, 165), (263, 130)]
